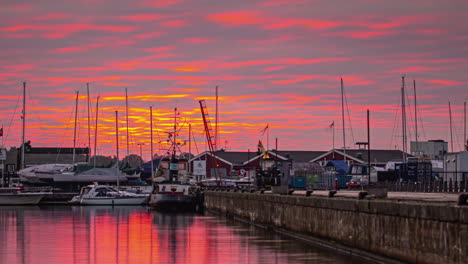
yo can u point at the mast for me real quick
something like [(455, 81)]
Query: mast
[(343, 120), (24, 126), (465, 140), (117, 145), (151, 142), (403, 117), (190, 138), (95, 131), (216, 121), (89, 120), (74, 130), (415, 112), (126, 110), (451, 134), (175, 132), (189, 143), (368, 148)]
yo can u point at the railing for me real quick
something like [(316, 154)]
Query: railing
[(429, 187)]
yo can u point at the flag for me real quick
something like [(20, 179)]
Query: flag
[(264, 130), (262, 150), (332, 125), (1, 132)]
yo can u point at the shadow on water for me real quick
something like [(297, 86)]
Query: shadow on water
[(134, 234)]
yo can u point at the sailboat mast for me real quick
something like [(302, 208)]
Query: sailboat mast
[(403, 117), (343, 120), (465, 140), (24, 126), (216, 121), (368, 148), (95, 131), (126, 110), (451, 133), (151, 141), (415, 111), (89, 120), (175, 131), (117, 145), (190, 138), (74, 130)]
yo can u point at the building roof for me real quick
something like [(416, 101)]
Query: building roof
[(236, 157), (300, 156), (241, 157), (377, 155)]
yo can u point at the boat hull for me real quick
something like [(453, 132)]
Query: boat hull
[(20, 199), (114, 201), (173, 202)]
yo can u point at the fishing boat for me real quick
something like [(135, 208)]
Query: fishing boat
[(17, 196), (172, 188), (107, 195)]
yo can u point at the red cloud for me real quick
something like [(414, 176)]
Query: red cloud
[(142, 17), (237, 18), (174, 23)]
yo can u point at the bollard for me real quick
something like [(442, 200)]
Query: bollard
[(463, 199), (331, 194), (362, 195), (308, 193)]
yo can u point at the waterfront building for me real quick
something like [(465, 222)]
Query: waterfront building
[(432, 149)]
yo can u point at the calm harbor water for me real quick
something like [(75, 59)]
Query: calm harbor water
[(102, 234)]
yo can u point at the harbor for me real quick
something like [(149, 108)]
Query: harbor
[(259, 131)]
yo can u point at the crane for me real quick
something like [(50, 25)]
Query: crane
[(209, 137)]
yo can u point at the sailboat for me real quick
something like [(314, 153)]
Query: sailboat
[(74, 173), (16, 195), (172, 190)]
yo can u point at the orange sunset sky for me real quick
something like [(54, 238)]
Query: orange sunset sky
[(276, 62)]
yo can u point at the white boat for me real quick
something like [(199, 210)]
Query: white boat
[(15, 196), (107, 195), (66, 173)]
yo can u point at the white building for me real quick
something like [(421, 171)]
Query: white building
[(456, 166)]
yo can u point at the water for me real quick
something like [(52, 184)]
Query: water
[(103, 234)]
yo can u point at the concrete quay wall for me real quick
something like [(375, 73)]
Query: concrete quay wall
[(407, 231)]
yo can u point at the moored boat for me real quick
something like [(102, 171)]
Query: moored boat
[(107, 195), (172, 190), (16, 196)]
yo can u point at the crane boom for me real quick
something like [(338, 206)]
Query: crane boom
[(209, 137)]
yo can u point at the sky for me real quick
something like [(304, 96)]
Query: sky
[(276, 63)]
